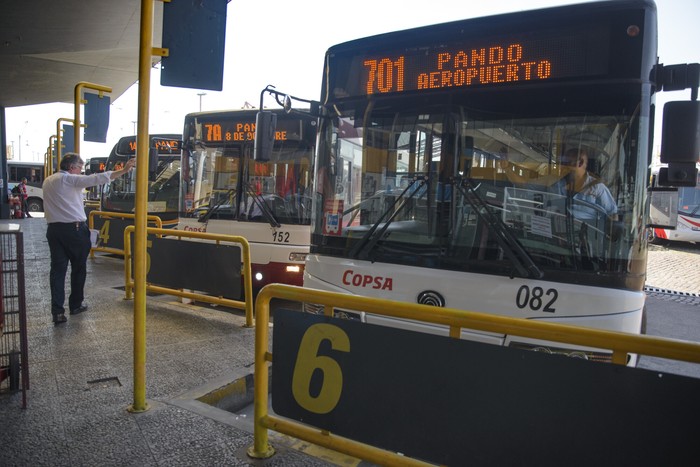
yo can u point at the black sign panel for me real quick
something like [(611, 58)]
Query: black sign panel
[(96, 117), (194, 32), (111, 231), (207, 267), (458, 402)]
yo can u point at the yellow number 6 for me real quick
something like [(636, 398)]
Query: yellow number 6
[(309, 361)]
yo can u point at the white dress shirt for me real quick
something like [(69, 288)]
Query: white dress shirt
[(63, 195)]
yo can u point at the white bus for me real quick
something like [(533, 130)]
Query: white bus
[(688, 212), (34, 172), (224, 190), (440, 178)]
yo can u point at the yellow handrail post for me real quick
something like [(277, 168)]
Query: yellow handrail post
[(52, 146), (248, 285), (128, 280), (261, 448), (58, 137)]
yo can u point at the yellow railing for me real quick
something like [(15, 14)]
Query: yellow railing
[(115, 215), (619, 343), (246, 305)]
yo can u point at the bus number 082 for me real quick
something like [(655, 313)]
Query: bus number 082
[(536, 299)]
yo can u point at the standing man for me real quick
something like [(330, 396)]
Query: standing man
[(23, 197), (67, 231)]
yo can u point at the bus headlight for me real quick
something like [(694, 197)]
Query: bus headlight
[(258, 276), (293, 268), (300, 257)]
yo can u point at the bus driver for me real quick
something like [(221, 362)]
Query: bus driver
[(585, 187)]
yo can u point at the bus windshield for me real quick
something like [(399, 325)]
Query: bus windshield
[(689, 201), (221, 180), (163, 186), (467, 188), (686, 212)]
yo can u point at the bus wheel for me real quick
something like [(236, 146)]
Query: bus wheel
[(35, 205), (651, 236)]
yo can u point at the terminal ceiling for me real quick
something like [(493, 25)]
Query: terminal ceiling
[(48, 46)]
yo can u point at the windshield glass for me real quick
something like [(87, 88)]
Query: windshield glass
[(224, 182), (163, 190), (488, 192), (689, 200)]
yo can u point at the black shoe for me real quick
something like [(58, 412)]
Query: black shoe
[(80, 309), (59, 319)]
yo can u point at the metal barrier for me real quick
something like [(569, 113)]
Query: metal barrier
[(246, 305), (92, 204), (619, 343), (116, 215)]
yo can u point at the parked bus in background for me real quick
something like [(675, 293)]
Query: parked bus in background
[(95, 165), (34, 172), (225, 191), (441, 175), (688, 211), (163, 184)]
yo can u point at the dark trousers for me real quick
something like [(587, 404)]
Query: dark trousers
[(25, 208), (68, 242)]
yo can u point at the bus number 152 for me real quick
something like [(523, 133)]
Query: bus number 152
[(385, 75)]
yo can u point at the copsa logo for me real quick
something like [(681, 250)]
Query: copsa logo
[(195, 229), (366, 280)]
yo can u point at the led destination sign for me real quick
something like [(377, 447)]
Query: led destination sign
[(225, 131), (127, 146), (456, 61), (491, 65)]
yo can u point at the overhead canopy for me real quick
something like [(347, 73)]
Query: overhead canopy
[(48, 46)]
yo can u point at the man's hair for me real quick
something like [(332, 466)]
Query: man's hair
[(70, 159)]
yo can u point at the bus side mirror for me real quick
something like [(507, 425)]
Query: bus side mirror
[(152, 163), (680, 143), (265, 126)]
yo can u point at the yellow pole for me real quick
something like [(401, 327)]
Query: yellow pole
[(139, 252), (78, 98), (261, 448), (59, 146), (52, 146)]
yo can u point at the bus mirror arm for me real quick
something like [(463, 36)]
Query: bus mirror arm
[(152, 164), (285, 101)]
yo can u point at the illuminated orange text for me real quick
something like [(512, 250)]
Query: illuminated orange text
[(488, 65), (239, 132)]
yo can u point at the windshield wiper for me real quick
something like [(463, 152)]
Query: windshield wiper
[(512, 248), (264, 208), (211, 209), (371, 237)]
